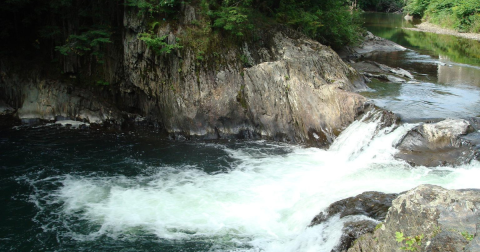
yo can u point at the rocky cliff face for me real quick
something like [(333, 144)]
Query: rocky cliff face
[(286, 87), (283, 86)]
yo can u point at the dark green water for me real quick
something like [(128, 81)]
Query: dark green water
[(36, 162), (446, 70)]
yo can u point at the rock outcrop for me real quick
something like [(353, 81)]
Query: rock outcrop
[(442, 220), (373, 69), (284, 86), (370, 44), (287, 87), (49, 100), (442, 143), (373, 205)]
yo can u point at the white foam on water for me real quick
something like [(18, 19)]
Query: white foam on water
[(72, 124), (265, 204)]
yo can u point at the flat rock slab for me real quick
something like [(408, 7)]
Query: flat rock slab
[(373, 43)]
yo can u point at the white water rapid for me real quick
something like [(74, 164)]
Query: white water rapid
[(265, 203)]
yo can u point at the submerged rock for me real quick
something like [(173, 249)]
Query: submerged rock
[(386, 77), (441, 143), (441, 219), (383, 72)]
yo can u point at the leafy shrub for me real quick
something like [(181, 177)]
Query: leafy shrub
[(462, 15), (89, 41), (412, 243), (232, 19), (381, 5), (158, 44), (417, 7), (154, 6), (330, 22)]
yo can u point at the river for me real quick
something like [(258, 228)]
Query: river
[(446, 69), (88, 190)]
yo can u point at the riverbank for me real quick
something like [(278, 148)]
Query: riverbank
[(429, 27)]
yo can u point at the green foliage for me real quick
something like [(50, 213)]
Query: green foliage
[(103, 83), (232, 19), (416, 7), (467, 236), (159, 45), (411, 243), (200, 55), (91, 29), (381, 5), (330, 22), (245, 61), (462, 15), (89, 41), (154, 6)]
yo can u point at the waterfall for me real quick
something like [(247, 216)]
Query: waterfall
[(263, 202)]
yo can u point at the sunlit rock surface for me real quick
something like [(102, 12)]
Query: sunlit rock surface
[(441, 143), (449, 220)]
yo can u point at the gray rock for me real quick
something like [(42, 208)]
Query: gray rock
[(284, 86), (447, 219), (288, 88), (351, 231), (394, 79), (380, 71), (47, 100), (5, 109), (441, 143), (372, 43), (370, 204)]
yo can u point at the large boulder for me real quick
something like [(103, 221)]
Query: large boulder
[(441, 143), (284, 86), (373, 205), (436, 218)]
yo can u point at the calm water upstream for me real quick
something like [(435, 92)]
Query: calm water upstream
[(446, 69), (84, 190)]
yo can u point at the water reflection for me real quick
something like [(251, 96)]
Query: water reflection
[(455, 74), (446, 69), (390, 26)]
